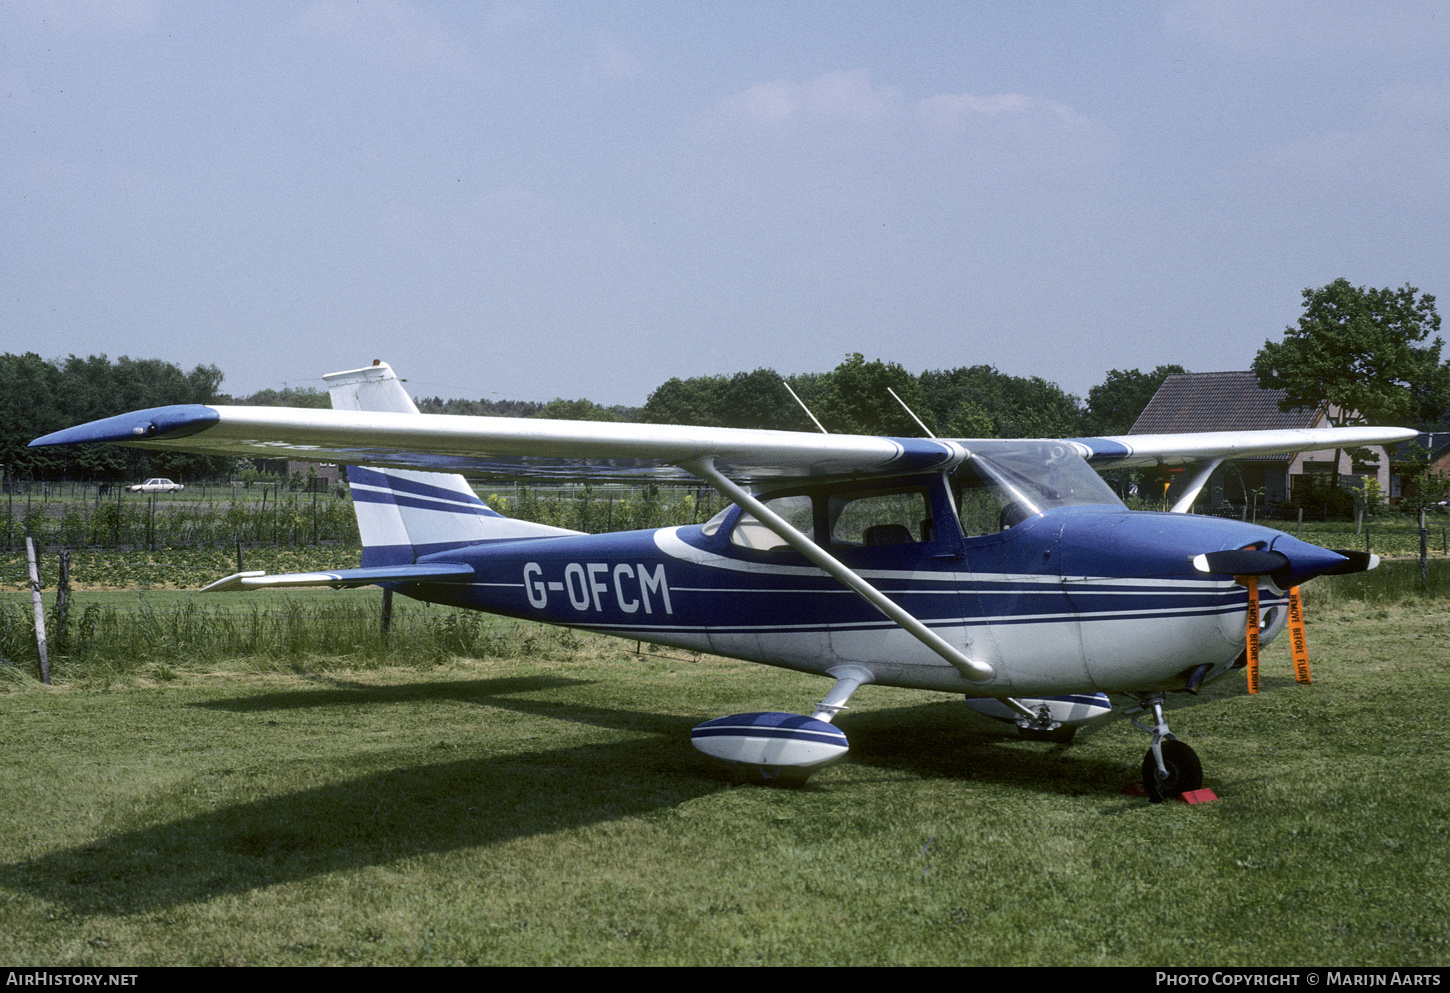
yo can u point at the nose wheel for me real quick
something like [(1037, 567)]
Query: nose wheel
[(1170, 767), (1182, 772)]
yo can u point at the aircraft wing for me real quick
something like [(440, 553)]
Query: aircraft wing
[(539, 449), (1133, 451), (507, 447)]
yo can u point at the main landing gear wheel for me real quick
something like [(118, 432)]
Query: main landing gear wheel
[(1185, 771)]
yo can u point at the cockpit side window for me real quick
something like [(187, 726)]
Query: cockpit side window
[(982, 506), (881, 517)]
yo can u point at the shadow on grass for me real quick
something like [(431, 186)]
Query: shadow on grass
[(945, 741), (346, 693), (433, 807), (370, 820)]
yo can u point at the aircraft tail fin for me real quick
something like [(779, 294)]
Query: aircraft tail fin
[(403, 514)]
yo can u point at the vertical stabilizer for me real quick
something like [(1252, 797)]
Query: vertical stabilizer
[(404, 514), (374, 388)]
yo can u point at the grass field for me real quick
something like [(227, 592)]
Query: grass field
[(549, 809)]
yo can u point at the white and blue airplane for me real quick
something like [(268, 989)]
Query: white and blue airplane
[(1003, 570)]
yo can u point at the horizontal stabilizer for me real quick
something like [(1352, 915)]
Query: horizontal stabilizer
[(443, 572)]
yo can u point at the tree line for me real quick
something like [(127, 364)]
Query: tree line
[(1370, 352), (38, 396)]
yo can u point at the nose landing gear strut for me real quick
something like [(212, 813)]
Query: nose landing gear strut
[(1170, 767)]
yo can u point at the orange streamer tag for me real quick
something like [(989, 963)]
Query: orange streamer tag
[(1252, 627), (1297, 644)]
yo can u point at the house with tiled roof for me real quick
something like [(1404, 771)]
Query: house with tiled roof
[(1433, 448), (1234, 401)]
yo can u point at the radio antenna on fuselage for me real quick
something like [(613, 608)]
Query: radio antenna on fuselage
[(803, 404), (911, 412)]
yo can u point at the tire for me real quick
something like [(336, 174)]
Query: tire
[(1185, 771)]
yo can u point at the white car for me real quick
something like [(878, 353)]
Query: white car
[(155, 486)]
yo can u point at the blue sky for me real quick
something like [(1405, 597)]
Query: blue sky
[(538, 199)]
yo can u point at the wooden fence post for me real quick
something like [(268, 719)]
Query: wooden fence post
[(39, 610), (62, 602), (1424, 552)]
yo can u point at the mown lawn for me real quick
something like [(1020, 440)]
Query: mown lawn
[(549, 809)]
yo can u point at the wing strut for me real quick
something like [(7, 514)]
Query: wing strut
[(1195, 486), (976, 671)]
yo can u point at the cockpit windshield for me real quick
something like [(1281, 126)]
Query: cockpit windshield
[(1001, 486)]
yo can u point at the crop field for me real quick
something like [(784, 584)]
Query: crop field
[(84, 516), (265, 780)]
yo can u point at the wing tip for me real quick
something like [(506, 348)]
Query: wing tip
[(175, 421)]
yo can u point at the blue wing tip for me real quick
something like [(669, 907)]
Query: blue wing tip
[(1103, 449), (176, 421)]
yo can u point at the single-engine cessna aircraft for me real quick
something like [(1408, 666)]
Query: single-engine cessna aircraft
[(1006, 571)]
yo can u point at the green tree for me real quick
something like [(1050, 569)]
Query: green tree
[(1367, 352), (1115, 404), (855, 400), (559, 409), (759, 399), (980, 397), (288, 396), (38, 396), (698, 400), (476, 408), (29, 407)]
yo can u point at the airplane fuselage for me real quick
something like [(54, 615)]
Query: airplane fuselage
[(1079, 599)]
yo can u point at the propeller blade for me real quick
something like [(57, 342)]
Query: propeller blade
[(1358, 562), (1241, 562)]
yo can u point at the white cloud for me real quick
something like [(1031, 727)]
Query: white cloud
[(1402, 154), (836, 96), (885, 132), (956, 113)]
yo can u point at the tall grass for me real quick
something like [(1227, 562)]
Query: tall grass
[(1396, 581), (117, 635), (185, 568)]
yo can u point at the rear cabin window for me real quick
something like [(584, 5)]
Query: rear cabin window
[(797, 511)]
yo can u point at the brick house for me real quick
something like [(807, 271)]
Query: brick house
[(1436, 446), (1234, 401), (325, 477)]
